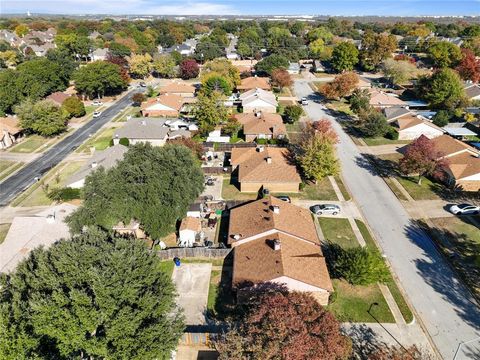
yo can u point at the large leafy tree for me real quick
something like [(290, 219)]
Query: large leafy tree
[(270, 63), (344, 56), (293, 113), (154, 185), (283, 325), (443, 90), (374, 123), (119, 50), (164, 66), (73, 106), (64, 60), (43, 117), (140, 65), (208, 50), (376, 48), (469, 66), (10, 94), (341, 86), (89, 297), (216, 83), (281, 78), (99, 78), (224, 68), (444, 54), (189, 69), (423, 159), (210, 111), (317, 158), (399, 71)]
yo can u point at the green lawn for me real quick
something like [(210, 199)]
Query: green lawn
[(167, 266), (36, 196), (231, 192), (343, 188), (30, 144), (9, 170), (351, 303), (100, 142), (383, 141), (132, 111), (213, 290), (392, 285), (285, 92), (5, 164), (322, 190), (341, 106), (295, 127), (338, 231), (425, 191), (89, 109), (4, 231)]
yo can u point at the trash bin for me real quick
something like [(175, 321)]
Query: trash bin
[(176, 260)]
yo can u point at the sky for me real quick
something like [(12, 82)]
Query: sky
[(245, 7)]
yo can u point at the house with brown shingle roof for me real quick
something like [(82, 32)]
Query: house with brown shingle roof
[(265, 167), (178, 88), (262, 126), (254, 82), (463, 162), (10, 131), (472, 91), (58, 97), (274, 241), (163, 105), (411, 127), (381, 99)]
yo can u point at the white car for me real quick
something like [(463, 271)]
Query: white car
[(304, 101), (328, 209), (97, 114), (465, 209), (97, 103)]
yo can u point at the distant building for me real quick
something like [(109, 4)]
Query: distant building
[(99, 54)]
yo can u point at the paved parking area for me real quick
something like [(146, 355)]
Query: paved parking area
[(192, 282), (214, 190)]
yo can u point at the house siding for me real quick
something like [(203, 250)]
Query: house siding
[(153, 142), (415, 132)]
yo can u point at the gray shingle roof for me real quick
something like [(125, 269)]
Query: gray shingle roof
[(395, 112), (144, 128)]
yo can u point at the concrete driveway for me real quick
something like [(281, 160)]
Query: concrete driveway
[(192, 282), (214, 190), (347, 208)]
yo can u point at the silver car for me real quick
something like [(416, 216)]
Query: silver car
[(327, 209), (465, 209)]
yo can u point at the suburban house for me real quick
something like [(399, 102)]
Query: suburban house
[(151, 130), (29, 232), (318, 66), (262, 126), (163, 105), (58, 97), (472, 91), (190, 227), (106, 158), (99, 54), (394, 113), (179, 88), (254, 82), (39, 50), (10, 131), (381, 99), (265, 167), (411, 127), (274, 241), (256, 100), (463, 162)]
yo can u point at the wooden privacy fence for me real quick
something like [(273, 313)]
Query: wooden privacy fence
[(197, 252)]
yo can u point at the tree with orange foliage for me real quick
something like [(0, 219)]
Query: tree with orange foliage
[(281, 78), (341, 86), (469, 66)]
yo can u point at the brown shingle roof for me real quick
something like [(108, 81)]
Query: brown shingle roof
[(258, 217), (171, 100), (254, 82), (58, 97), (472, 91), (408, 122), (264, 124), (254, 167), (177, 87), (256, 261), (380, 98), (448, 145), (10, 124), (463, 165), (190, 223)]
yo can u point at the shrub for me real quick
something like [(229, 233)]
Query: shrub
[(124, 142), (392, 133), (293, 113)]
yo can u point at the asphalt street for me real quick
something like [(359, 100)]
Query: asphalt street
[(445, 307), (25, 177)]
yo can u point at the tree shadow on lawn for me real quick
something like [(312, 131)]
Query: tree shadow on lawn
[(440, 276), (377, 166)]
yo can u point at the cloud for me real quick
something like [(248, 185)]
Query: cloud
[(144, 7)]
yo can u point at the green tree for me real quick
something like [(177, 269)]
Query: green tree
[(164, 66), (207, 50), (74, 107), (140, 65), (64, 61), (21, 30), (359, 101), (376, 48), (144, 186), (216, 83), (43, 117), (99, 78), (442, 118), (224, 68), (119, 50), (443, 90), (320, 33), (270, 63), (110, 300), (358, 266), (399, 72), (374, 124), (318, 159), (10, 94), (316, 47), (209, 112), (444, 54), (293, 113), (232, 127), (344, 56)]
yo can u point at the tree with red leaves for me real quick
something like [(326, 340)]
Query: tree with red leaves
[(322, 128), (341, 86), (289, 326), (469, 67), (189, 69), (122, 63), (281, 78), (423, 159)]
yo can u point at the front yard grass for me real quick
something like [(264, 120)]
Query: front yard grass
[(99, 142), (343, 188), (341, 106), (167, 267), (4, 231), (30, 144), (295, 127), (5, 164), (427, 190), (338, 231), (322, 190), (36, 196), (375, 141)]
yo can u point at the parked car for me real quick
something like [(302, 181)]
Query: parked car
[(97, 103), (304, 101), (285, 198), (142, 84), (465, 209), (210, 182), (97, 114), (329, 209)]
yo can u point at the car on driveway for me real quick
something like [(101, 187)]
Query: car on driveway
[(464, 209), (97, 103), (325, 209), (284, 198), (97, 114)]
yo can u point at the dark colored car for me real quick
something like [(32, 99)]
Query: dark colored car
[(284, 198)]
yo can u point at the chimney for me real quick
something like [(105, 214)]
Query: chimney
[(276, 209), (236, 236), (258, 114), (276, 245), (94, 165), (268, 159), (116, 140), (260, 149)]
